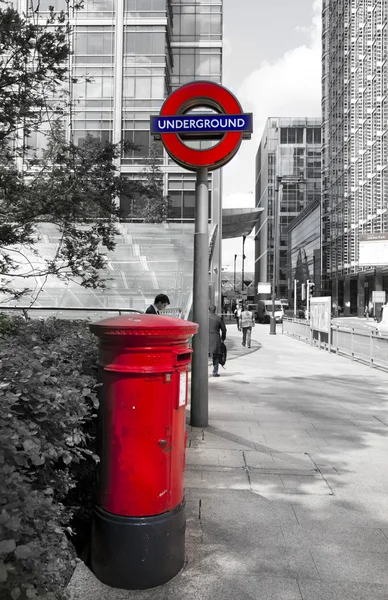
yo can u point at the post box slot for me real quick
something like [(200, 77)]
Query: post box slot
[(183, 357)]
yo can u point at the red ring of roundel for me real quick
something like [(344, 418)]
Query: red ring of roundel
[(219, 154)]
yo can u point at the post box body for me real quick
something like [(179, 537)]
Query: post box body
[(143, 415), (144, 362)]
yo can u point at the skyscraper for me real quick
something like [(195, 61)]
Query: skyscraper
[(290, 149), (127, 57), (354, 145)]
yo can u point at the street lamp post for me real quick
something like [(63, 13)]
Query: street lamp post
[(296, 281), (272, 320), (242, 266), (234, 273)]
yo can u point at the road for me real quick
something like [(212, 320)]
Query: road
[(356, 323)]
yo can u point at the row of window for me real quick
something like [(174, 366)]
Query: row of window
[(182, 206), (200, 62), (196, 21), (295, 135), (99, 40), (134, 6)]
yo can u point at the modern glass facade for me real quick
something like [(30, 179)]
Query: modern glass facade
[(128, 55), (355, 137), (304, 249), (290, 147)]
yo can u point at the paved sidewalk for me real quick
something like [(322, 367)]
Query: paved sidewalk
[(287, 489)]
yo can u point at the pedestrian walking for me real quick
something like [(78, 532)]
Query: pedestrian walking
[(217, 333), (160, 303), (237, 316), (381, 312), (247, 322)]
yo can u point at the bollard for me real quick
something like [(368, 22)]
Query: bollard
[(139, 522)]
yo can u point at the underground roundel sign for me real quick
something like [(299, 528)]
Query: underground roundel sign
[(201, 111)]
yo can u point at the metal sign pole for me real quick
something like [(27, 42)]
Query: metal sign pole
[(199, 371), (172, 126)]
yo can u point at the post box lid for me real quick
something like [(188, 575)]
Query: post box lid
[(144, 324)]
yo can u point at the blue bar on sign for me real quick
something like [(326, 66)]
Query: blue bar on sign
[(197, 123)]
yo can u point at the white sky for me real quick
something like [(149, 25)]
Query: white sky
[(272, 63)]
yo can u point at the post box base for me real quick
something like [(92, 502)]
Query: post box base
[(136, 553)]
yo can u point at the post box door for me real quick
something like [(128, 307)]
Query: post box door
[(136, 465)]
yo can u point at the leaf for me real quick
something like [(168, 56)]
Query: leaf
[(25, 551), (14, 524), (7, 546), (66, 457), (29, 445), (37, 460)]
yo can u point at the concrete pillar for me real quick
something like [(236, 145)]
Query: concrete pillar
[(360, 294), (347, 296), (378, 280)]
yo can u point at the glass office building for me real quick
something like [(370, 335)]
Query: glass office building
[(304, 250), (289, 147), (128, 56), (355, 144)]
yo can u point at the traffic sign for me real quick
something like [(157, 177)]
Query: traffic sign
[(195, 124), (174, 125)]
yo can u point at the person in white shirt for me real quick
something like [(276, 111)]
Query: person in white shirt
[(247, 322), (237, 316)]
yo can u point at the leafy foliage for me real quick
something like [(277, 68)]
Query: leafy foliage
[(77, 192), (33, 67), (151, 205), (47, 399), (75, 188)]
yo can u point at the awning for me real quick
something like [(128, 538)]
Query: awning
[(238, 222)]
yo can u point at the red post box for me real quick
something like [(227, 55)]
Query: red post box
[(138, 531)]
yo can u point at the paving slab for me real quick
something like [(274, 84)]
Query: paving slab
[(286, 490), (334, 590), (317, 536), (212, 587), (228, 479), (339, 564)]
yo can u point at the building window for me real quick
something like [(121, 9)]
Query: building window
[(313, 135), (145, 8), (181, 191), (291, 135), (94, 45), (195, 21)]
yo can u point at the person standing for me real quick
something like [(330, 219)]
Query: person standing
[(366, 311), (247, 322), (216, 327), (160, 303)]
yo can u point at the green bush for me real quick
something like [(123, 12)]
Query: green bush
[(47, 401)]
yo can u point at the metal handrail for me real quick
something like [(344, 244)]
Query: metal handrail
[(333, 344), (96, 309)]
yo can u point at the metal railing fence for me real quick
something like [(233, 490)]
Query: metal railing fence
[(368, 347), (92, 312)]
